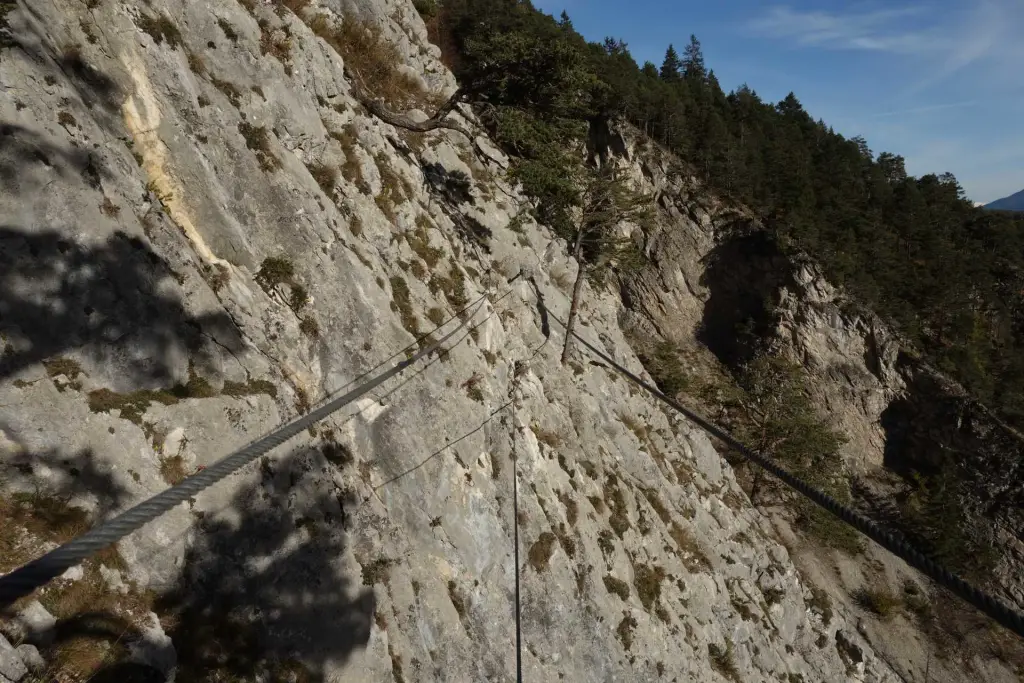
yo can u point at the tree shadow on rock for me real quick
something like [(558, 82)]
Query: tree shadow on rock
[(28, 158), (59, 477), (262, 592), (452, 189), (23, 152), (111, 300), (28, 32)]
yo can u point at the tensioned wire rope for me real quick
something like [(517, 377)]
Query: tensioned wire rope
[(989, 604), (36, 573), (40, 571)]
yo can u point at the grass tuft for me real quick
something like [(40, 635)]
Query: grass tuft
[(692, 554), (722, 660), (401, 302), (648, 584), (132, 406), (457, 600), (625, 630), (172, 469), (216, 276), (879, 601), (325, 176), (228, 30), (378, 571), (253, 387), (68, 367), (299, 297), (161, 29), (278, 44), (258, 140), (392, 190), (617, 586), (616, 502), (229, 89), (310, 327), (196, 64), (821, 603), (542, 550), (372, 58)]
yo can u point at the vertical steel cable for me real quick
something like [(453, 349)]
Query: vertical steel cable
[(515, 518)]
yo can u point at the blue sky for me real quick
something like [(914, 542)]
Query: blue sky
[(940, 82)]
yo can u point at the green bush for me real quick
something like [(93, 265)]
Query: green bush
[(275, 271)]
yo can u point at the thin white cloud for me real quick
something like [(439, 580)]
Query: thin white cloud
[(926, 108), (871, 30), (967, 52), (981, 33)]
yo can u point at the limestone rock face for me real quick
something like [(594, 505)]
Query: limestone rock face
[(12, 668), (712, 269), (204, 235)]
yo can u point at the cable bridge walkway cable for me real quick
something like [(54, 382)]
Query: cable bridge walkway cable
[(990, 605), (24, 580)]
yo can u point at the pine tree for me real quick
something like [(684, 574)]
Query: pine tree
[(893, 167), (862, 147), (693, 61), (565, 23), (672, 67), (790, 106), (607, 201)]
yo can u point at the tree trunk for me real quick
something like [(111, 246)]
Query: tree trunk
[(577, 252)]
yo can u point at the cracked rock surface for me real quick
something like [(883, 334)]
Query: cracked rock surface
[(176, 281)]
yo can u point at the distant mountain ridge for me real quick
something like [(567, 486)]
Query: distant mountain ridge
[(1015, 202)]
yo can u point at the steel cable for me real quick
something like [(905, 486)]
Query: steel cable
[(990, 605), (40, 571)]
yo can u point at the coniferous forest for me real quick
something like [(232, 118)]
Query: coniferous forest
[(916, 250)]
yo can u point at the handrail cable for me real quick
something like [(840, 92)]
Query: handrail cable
[(990, 605), (36, 573), (40, 571)]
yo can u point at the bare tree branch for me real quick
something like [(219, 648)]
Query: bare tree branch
[(438, 121)]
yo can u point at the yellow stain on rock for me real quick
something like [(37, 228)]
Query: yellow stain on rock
[(141, 113)]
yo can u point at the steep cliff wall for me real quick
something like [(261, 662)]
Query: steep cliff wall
[(204, 234), (718, 287)]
